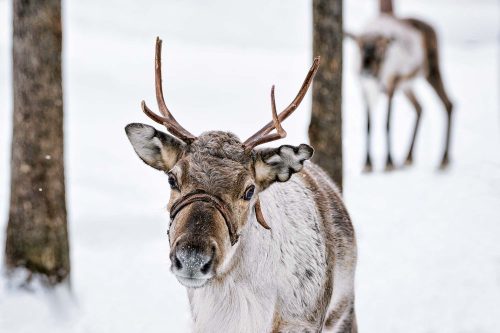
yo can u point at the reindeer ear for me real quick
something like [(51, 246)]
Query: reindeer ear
[(350, 35), (279, 164), (155, 148)]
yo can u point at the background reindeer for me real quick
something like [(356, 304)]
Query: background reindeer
[(260, 237), (394, 52)]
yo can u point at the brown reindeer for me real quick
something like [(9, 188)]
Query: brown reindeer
[(259, 237), (394, 51)]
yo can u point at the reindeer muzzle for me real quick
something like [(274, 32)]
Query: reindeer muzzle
[(217, 203), (221, 206)]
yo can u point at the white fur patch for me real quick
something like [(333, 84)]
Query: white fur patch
[(145, 144), (405, 53), (232, 306)]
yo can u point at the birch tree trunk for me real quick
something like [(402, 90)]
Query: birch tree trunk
[(325, 129), (37, 237)]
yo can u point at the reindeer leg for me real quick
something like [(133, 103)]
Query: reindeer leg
[(368, 163), (354, 325), (435, 80), (418, 109), (342, 320), (389, 165)]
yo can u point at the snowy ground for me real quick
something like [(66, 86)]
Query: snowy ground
[(428, 241)]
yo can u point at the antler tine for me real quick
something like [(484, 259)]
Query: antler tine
[(261, 136), (280, 132), (167, 119), (164, 121), (276, 120)]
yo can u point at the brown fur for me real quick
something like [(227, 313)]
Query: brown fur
[(204, 225), (217, 164)]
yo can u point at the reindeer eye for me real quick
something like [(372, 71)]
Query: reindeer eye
[(173, 182), (249, 193)]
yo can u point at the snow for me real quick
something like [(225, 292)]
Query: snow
[(429, 255)]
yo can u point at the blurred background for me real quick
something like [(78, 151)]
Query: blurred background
[(429, 255)]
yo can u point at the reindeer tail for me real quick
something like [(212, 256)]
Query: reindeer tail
[(386, 7)]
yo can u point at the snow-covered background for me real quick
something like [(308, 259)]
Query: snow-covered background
[(429, 241)]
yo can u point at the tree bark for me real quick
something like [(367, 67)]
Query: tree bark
[(325, 129), (37, 236)]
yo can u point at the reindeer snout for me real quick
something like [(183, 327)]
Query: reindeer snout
[(193, 264)]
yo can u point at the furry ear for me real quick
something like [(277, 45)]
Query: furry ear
[(350, 35), (155, 148), (279, 164)]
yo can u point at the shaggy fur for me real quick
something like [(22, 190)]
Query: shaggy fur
[(296, 277)]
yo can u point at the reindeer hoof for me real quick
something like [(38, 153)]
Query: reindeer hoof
[(389, 167), (367, 168), (444, 163), (409, 161)]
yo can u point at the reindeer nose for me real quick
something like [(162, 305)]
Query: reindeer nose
[(193, 261)]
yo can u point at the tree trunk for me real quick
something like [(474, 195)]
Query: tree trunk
[(325, 129), (37, 237)]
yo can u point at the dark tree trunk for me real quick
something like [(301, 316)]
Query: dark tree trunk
[(37, 237), (325, 129)]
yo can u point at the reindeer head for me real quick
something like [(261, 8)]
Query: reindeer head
[(372, 48), (215, 181)]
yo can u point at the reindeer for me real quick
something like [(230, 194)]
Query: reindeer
[(395, 51), (259, 237)]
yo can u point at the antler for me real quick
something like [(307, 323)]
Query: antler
[(166, 119), (263, 136)]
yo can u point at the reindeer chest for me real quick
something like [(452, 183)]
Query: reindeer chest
[(232, 307)]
